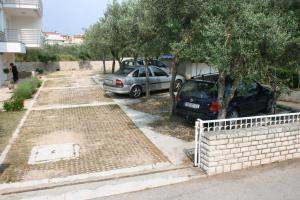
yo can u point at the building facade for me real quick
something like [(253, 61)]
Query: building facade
[(55, 38), (20, 29)]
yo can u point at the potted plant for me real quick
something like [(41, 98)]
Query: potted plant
[(5, 70)]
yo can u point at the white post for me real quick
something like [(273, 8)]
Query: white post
[(199, 142), (197, 127)]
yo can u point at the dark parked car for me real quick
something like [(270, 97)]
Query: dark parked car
[(197, 99)]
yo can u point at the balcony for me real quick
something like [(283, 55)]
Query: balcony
[(23, 7), (15, 41)]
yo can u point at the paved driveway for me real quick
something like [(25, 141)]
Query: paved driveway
[(71, 109)]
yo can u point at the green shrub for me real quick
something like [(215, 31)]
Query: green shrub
[(36, 83), (13, 105), (24, 91), (67, 57), (39, 70)]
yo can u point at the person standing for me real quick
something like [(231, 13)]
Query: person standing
[(15, 72)]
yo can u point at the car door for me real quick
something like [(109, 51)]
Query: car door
[(247, 98), (162, 79), (142, 79)]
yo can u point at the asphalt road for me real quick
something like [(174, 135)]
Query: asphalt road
[(271, 182)]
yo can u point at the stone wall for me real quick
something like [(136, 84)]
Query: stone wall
[(227, 151), (67, 66), (294, 97)]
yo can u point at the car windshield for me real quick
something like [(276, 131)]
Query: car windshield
[(124, 71), (199, 89)]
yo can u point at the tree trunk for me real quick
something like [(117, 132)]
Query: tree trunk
[(147, 80), (276, 97), (113, 66), (221, 89), (120, 63), (104, 66), (172, 83), (222, 99), (135, 60)]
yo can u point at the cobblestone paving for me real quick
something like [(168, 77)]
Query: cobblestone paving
[(76, 96), (68, 82), (107, 137)]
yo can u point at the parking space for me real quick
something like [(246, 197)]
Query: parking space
[(103, 136), (76, 96)]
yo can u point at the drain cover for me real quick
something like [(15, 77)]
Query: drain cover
[(53, 153)]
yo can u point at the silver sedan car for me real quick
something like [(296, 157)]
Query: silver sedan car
[(132, 80)]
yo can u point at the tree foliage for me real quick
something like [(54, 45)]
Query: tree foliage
[(243, 39), (53, 53)]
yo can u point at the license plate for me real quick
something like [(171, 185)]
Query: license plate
[(109, 81), (192, 105)]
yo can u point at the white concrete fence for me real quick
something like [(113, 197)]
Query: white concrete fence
[(233, 144), (67, 66)]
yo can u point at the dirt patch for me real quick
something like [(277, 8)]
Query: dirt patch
[(174, 126), (154, 106), (8, 124)]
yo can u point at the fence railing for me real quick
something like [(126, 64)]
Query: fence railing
[(2, 36), (23, 2), (26, 36), (202, 127)]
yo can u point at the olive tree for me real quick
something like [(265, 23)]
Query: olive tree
[(229, 35)]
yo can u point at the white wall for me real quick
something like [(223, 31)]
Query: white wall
[(5, 60), (189, 69), (25, 23)]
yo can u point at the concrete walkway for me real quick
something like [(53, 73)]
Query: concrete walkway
[(279, 181)]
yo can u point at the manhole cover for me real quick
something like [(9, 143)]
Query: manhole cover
[(53, 153)]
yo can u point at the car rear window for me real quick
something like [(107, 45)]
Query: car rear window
[(199, 89), (125, 71)]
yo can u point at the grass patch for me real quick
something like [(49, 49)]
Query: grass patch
[(8, 124)]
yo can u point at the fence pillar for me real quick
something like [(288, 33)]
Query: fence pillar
[(197, 126), (198, 136)]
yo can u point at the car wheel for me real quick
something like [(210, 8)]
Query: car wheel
[(178, 85), (270, 108), (135, 92)]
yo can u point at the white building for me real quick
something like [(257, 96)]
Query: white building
[(77, 39), (20, 29), (55, 38)]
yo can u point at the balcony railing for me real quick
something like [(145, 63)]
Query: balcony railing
[(29, 4), (2, 36), (30, 37), (37, 3)]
